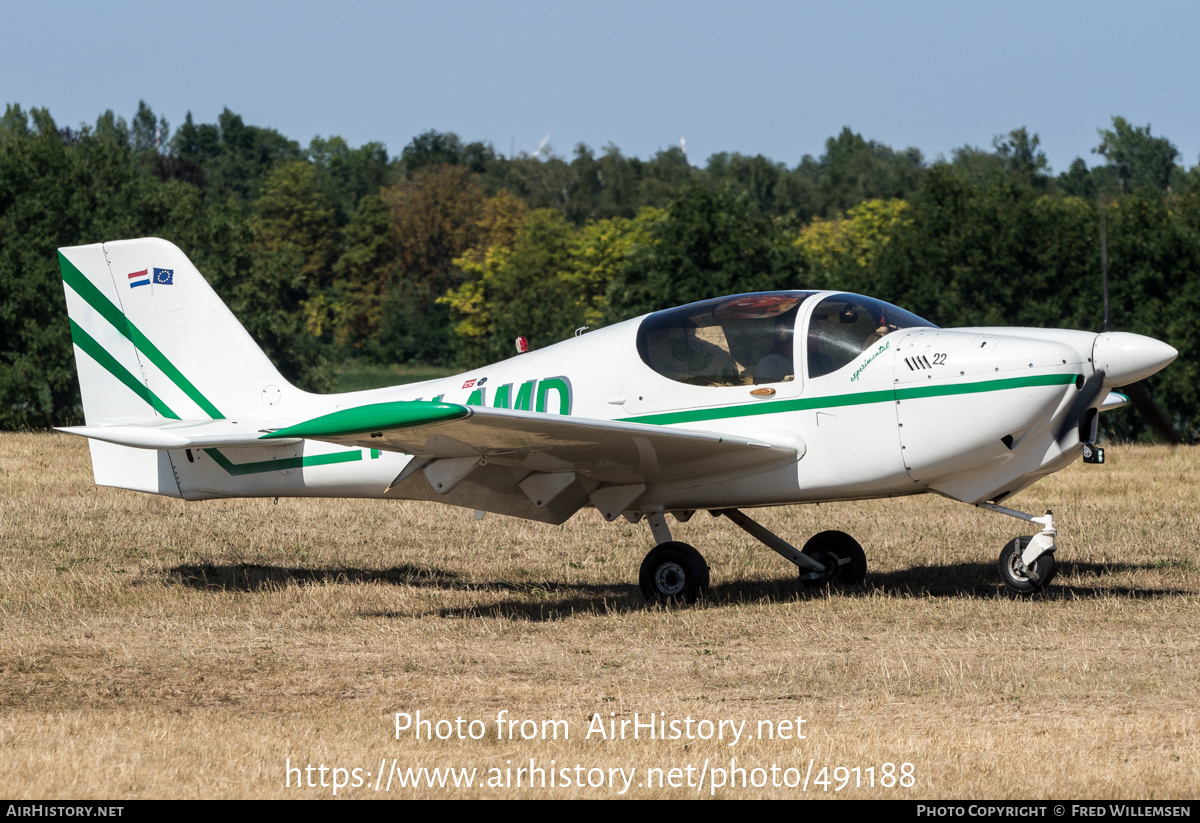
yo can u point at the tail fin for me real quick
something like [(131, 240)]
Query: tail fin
[(153, 339)]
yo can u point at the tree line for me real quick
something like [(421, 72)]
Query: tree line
[(447, 252)]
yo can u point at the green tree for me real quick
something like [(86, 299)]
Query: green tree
[(434, 148), (348, 175), (149, 135), (546, 180), (1078, 181), (1138, 159), (414, 323), (603, 187), (708, 243), (1154, 274), (853, 170), (1020, 155), (600, 252), (284, 303), (663, 177), (843, 253), (541, 282), (516, 290), (436, 217), (993, 253), (235, 158), (57, 188), (363, 273), (293, 213), (760, 178)]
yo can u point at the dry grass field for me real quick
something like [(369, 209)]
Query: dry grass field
[(155, 648)]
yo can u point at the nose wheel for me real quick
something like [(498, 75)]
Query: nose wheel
[(1023, 578), (1026, 564)]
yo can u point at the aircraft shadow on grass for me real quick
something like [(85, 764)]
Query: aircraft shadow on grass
[(544, 600), (255, 577)]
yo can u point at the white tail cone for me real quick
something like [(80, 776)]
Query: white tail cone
[(1126, 358)]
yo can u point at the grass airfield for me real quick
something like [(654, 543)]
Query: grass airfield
[(153, 648)]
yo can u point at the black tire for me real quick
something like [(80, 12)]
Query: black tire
[(673, 572), (830, 549), (1025, 581)]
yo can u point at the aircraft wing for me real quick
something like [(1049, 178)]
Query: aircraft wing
[(557, 462)]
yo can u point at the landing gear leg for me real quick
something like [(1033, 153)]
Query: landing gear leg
[(1027, 564), (672, 570), (829, 557)]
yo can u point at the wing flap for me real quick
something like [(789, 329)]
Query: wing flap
[(492, 488)]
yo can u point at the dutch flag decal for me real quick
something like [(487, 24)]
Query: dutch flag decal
[(162, 277)]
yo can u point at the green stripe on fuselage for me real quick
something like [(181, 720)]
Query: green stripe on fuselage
[(285, 463), (858, 399)]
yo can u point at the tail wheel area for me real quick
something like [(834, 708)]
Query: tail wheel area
[(844, 560), (673, 571), (1024, 579)]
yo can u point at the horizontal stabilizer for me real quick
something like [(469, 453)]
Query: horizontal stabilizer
[(160, 433)]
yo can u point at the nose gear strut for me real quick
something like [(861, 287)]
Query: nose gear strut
[(1027, 564)]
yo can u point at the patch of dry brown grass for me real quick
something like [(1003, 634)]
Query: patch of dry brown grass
[(156, 648)]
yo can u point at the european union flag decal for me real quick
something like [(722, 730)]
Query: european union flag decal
[(164, 277)]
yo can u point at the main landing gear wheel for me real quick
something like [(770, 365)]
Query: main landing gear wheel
[(673, 571), (1018, 577), (844, 559)]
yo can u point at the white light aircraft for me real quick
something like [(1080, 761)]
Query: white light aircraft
[(732, 403)]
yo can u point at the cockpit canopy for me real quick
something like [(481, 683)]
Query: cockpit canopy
[(748, 339), (843, 326), (728, 341)]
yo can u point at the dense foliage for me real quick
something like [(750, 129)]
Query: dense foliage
[(447, 252)]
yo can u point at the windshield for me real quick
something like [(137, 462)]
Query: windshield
[(730, 341), (843, 326)]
